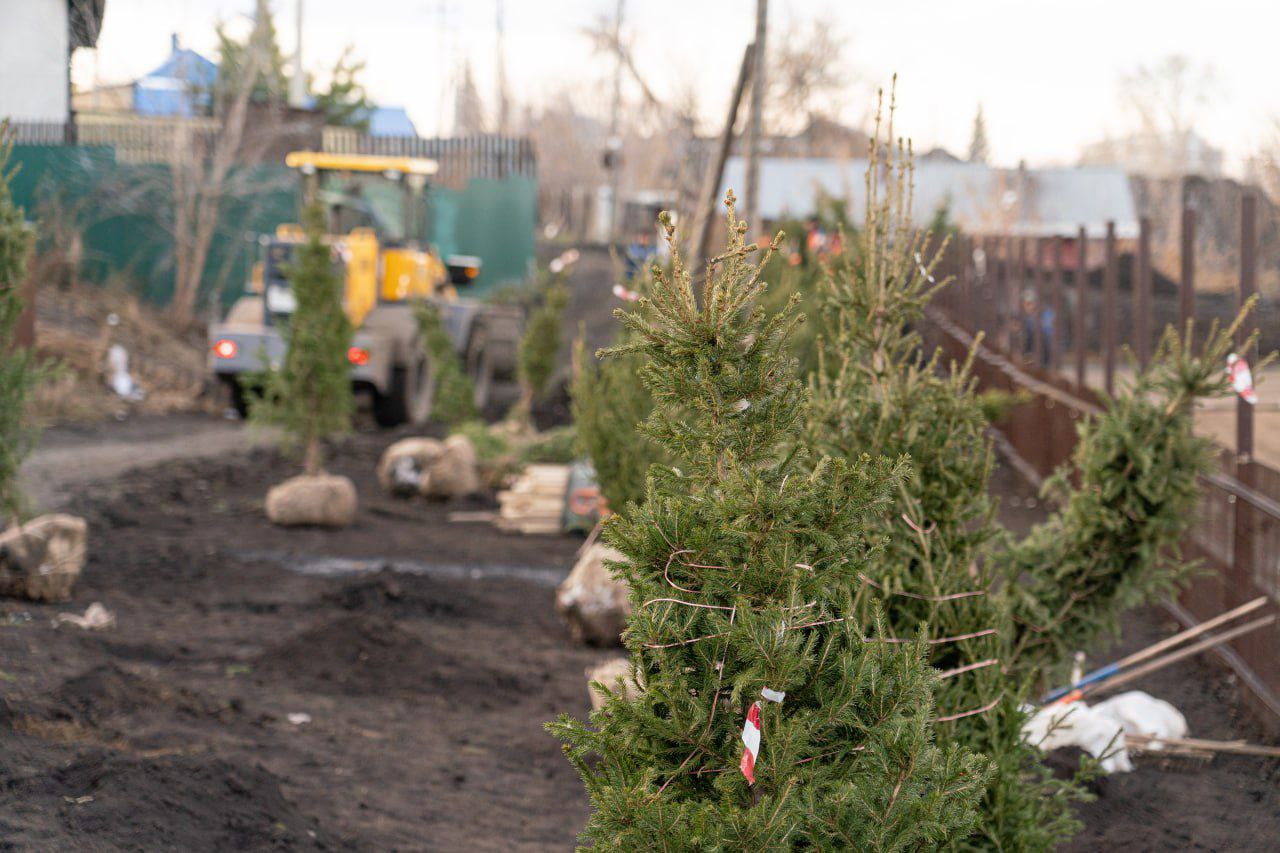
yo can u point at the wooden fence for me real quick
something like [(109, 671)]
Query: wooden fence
[(1051, 313)]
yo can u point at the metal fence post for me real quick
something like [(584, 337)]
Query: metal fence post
[(1020, 284), (1142, 293), (1036, 284), (1242, 552), (1187, 294), (1080, 331), (1109, 311), (1059, 324)]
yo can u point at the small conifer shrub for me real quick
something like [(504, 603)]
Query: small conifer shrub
[(1111, 545), (454, 402), (536, 356)]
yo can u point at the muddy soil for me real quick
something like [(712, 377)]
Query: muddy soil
[(426, 691), (425, 655)]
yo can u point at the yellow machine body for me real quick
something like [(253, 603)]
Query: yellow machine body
[(374, 273)]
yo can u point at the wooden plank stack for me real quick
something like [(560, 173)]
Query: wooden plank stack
[(535, 501)]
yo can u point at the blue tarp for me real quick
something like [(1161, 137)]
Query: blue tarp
[(391, 121), (181, 86)]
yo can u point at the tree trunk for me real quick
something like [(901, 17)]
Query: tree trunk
[(311, 460)]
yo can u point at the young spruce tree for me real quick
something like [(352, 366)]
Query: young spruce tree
[(876, 392), (540, 344), (454, 403), (743, 563), (1111, 545), (17, 366), (309, 397)]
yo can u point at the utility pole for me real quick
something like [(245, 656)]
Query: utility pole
[(704, 210), (613, 157), (753, 128), (504, 103), (298, 83)]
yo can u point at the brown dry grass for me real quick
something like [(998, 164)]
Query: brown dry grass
[(73, 336)]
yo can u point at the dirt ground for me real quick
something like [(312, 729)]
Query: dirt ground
[(1231, 803), (426, 692), (426, 654)]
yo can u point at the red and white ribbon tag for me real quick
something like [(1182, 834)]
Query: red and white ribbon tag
[(624, 294), (1241, 378), (751, 734)]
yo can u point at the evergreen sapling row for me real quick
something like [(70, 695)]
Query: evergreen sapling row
[(742, 563)]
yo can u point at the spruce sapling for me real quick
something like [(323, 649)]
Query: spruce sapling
[(309, 397), (1113, 542), (536, 357), (876, 392), (742, 563), (454, 403), (18, 371)]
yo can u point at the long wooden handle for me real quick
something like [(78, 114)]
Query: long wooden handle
[(1234, 747), (1179, 638), (1174, 657), (1105, 672)]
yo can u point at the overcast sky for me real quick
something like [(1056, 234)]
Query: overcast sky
[(1046, 72)]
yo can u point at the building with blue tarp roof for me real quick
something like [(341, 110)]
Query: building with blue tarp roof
[(181, 86)]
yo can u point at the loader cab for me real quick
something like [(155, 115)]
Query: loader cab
[(376, 216)]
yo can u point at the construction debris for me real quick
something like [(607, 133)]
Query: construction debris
[(95, 618), (1104, 730), (405, 463), (1057, 726), (536, 500)]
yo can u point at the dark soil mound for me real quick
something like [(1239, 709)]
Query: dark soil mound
[(169, 803), (108, 691), (372, 655), (389, 592)]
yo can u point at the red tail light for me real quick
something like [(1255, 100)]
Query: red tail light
[(359, 356), (225, 349)]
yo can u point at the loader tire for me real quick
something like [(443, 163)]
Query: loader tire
[(480, 367), (391, 409), (238, 396), (423, 402)]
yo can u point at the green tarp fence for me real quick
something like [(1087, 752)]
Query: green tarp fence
[(125, 214)]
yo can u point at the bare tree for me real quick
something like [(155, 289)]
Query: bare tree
[(807, 75), (1264, 166), (1164, 101), (468, 110), (199, 186)]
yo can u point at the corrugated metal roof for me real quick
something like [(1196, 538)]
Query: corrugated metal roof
[(982, 199)]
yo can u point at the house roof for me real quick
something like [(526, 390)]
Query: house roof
[(84, 20), (390, 121), (980, 198), (181, 85)]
